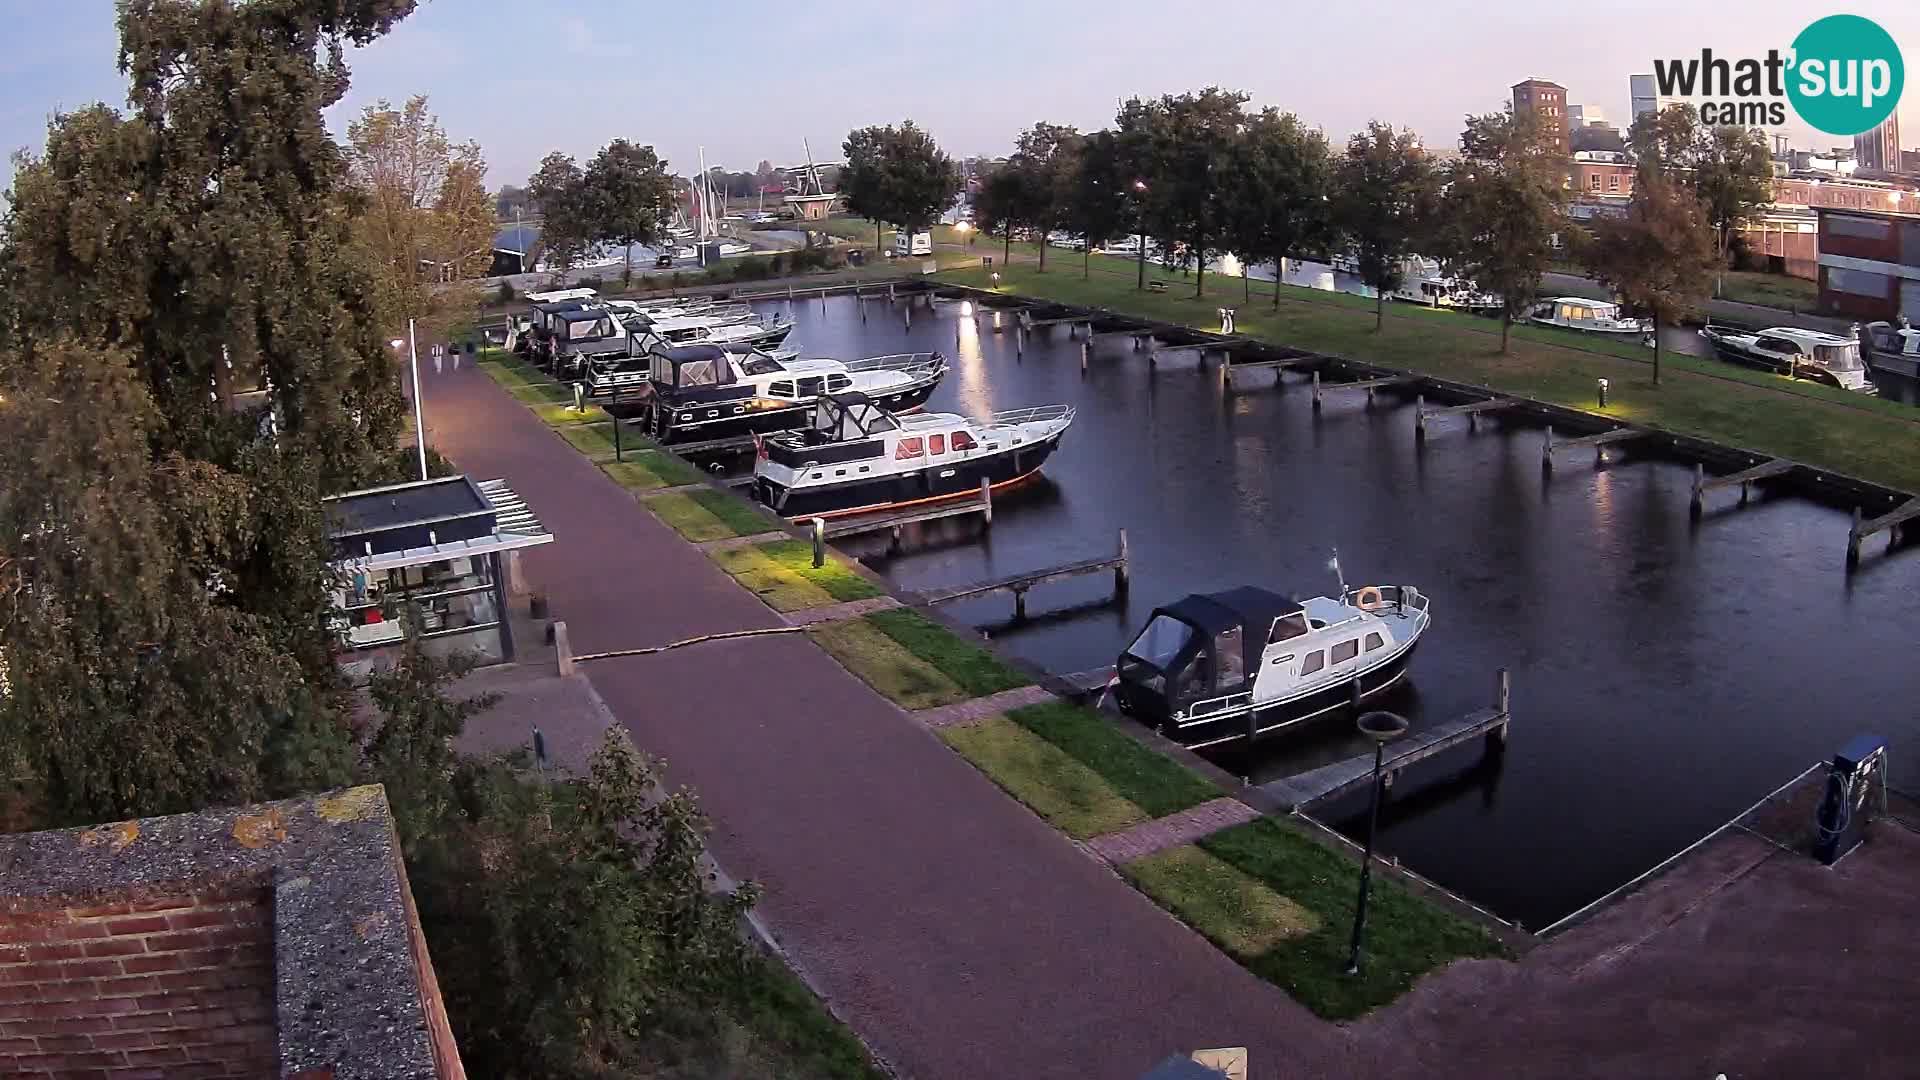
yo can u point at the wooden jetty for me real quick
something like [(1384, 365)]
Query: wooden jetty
[(1598, 442), (1277, 364), (1019, 584), (894, 521), (1890, 522), (1340, 777), (1202, 347), (1761, 470), (1471, 410), (730, 444), (1069, 321), (1369, 385), (1088, 683)]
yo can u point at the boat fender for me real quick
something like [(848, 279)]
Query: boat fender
[(1367, 599)]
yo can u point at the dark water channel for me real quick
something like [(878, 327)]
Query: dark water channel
[(1666, 673)]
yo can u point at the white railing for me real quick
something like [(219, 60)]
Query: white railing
[(1036, 414), (922, 363), (1226, 703)]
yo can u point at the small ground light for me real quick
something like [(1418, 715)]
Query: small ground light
[(1603, 393), (396, 343), (996, 279)]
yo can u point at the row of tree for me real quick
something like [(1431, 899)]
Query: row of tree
[(1202, 175), (622, 197)]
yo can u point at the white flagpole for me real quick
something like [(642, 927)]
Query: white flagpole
[(419, 427)]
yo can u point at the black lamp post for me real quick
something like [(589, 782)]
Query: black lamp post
[(1382, 728), (1140, 219)]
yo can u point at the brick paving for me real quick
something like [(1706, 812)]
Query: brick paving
[(978, 709), (1183, 827), (728, 542), (851, 609)]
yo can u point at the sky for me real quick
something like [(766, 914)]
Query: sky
[(748, 80)]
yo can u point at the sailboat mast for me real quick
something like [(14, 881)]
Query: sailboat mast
[(706, 209)]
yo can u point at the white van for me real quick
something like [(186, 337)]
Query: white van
[(909, 244)]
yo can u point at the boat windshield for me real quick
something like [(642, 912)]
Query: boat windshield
[(1838, 357), (1161, 641), (761, 364)]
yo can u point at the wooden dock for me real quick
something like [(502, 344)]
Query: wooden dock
[(1369, 385), (1277, 364), (1019, 584), (1340, 777), (1597, 442), (1471, 410), (894, 521), (1890, 522), (1031, 323), (731, 444), (1702, 483)]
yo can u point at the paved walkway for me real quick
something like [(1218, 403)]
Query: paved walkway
[(978, 709), (960, 934), (1173, 830)]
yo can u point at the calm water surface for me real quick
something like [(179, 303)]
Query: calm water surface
[(1666, 673)]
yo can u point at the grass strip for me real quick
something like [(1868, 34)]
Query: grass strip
[(645, 470), (973, 668), (689, 517), (589, 439), (789, 1033), (903, 678), (562, 413), (1041, 775), (781, 572), (1153, 782), (538, 393), (736, 513), (1406, 936), (1230, 908)]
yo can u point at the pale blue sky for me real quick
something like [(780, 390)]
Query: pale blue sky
[(748, 80)]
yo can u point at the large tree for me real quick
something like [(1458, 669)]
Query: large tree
[(1184, 143), (1659, 256), (1047, 157), (1505, 201), (163, 618), (897, 175), (1280, 177), (558, 188), (1099, 205), (1004, 203), (1727, 168), (1384, 195), (424, 218), (627, 192)]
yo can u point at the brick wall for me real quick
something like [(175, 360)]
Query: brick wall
[(446, 1054), (173, 986)]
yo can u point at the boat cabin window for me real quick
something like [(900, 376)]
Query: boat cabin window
[(1838, 357), (1779, 345), (963, 441), (1313, 662), (710, 372), (837, 383), (1288, 626), (761, 364), (1346, 651), (910, 447), (783, 388), (1161, 641), (1232, 662), (1375, 641), (936, 444)]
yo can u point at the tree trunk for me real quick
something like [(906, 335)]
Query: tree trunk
[(1006, 251), (1142, 286), (1246, 286), (1279, 271), (878, 251), (1200, 267), (1379, 308), (1043, 251), (626, 275), (1656, 346), (1086, 261), (1506, 327)]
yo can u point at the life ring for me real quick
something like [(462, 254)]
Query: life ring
[(1368, 599)]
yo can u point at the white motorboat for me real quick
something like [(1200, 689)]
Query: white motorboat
[(1795, 353), (856, 457), (701, 392), (1589, 316), (1892, 348)]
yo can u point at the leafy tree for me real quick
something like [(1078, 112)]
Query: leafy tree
[(1727, 168), (1384, 195), (1505, 200), (425, 218), (1099, 206), (1047, 159), (897, 175), (1004, 203), (559, 189), (1279, 179), (1659, 256), (627, 192), (1184, 143)]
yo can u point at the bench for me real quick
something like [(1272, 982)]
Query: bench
[(1156, 286)]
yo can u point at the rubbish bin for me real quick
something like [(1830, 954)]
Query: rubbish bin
[(857, 257)]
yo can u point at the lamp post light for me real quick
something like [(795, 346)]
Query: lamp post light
[(995, 276), (1140, 221), (1603, 384), (1382, 728)]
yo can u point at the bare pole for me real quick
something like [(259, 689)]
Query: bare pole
[(419, 425)]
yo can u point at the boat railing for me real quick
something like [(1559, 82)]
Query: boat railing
[(1395, 596), (1036, 414), (1226, 703), (917, 363)]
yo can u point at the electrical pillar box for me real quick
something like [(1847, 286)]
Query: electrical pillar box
[(1840, 822)]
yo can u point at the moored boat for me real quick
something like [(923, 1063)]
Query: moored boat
[(700, 392), (1235, 665), (1892, 348), (1589, 316), (857, 457), (1796, 353)]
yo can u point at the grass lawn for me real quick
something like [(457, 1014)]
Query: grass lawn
[(644, 470), (560, 413), (886, 665), (538, 393), (976, 670), (1158, 785), (1817, 425), (1231, 909), (1068, 794), (1406, 936), (708, 515), (1772, 290), (589, 439), (783, 1030), (781, 572)]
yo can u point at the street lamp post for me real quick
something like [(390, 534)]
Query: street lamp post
[(1382, 728), (1140, 220)]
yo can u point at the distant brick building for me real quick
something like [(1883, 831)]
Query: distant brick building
[(276, 940), (1869, 264), (1599, 172), (1548, 101), (1879, 149)]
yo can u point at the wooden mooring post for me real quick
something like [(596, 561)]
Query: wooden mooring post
[(819, 542), (1085, 348)]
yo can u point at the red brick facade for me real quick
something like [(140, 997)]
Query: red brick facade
[(1602, 178), (166, 986), (446, 1054)]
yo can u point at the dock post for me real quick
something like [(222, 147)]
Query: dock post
[(956, 335), (1853, 541), (1226, 363), (1698, 503), (1546, 451), (819, 542), (1085, 347), (789, 292), (894, 536), (562, 649), (1020, 605), (908, 313), (1137, 339), (1019, 341), (890, 296), (1420, 417), (986, 499), (1121, 574), (1316, 389), (1502, 702)]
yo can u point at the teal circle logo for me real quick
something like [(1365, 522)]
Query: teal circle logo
[(1846, 75)]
